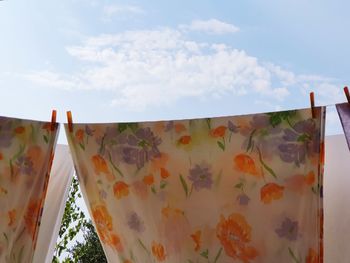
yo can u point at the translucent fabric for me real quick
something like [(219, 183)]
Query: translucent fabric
[(55, 202), (26, 153), (344, 115), (228, 189), (336, 200)]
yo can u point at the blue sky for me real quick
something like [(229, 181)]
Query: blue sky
[(111, 61)]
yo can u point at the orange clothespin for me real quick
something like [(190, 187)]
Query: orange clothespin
[(346, 91), (312, 102), (70, 121), (53, 120)]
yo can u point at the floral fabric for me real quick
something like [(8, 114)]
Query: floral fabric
[(229, 189), (26, 152), (344, 115)]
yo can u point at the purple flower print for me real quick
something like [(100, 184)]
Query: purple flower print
[(135, 223), (6, 133), (289, 229), (243, 199), (142, 146), (25, 165), (300, 141), (201, 177), (232, 127)]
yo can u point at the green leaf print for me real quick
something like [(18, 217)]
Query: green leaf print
[(291, 253), (218, 255), (221, 145), (184, 184), (205, 253), (265, 165)]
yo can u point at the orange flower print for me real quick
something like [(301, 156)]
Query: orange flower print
[(164, 173), (12, 217), (179, 127), (218, 132), (196, 237), (159, 161), (100, 165), (1, 157), (120, 189), (31, 216), (271, 191), (114, 241), (158, 251), (312, 257), (310, 178), (244, 163), (79, 135), (127, 261), (19, 130), (234, 234), (148, 179), (103, 221), (186, 139)]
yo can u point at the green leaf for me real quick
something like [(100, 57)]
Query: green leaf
[(291, 253), (205, 253), (221, 145), (46, 139), (153, 189), (163, 184), (184, 184), (122, 127), (239, 185), (265, 165), (218, 255), (250, 142), (82, 146), (133, 126)]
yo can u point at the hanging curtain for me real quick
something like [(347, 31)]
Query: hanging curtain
[(57, 193), (344, 115), (228, 189), (26, 153), (336, 200)]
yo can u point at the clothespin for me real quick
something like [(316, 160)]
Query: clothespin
[(346, 91), (70, 121), (312, 102), (53, 120)]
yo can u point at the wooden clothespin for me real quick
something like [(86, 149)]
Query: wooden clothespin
[(70, 121), (53, 120), (312, 102), (346, 91)]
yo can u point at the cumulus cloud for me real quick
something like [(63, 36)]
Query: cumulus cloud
[(211, 26), (144, 68)]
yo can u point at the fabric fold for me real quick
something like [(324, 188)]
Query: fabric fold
[(26, 154), (344, 115), (228, 189), (60, 179)]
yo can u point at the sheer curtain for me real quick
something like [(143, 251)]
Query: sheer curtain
[(57, 193), (227, 189), (26, 152)]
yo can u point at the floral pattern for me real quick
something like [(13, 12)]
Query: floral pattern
[(26, 154), (227, 189)]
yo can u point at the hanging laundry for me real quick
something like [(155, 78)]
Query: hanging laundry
[(57, 193), (344, 115), (336, 196), (26, 154), (228, 189)]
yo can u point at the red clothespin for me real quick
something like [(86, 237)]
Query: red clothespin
[(312, 102), (346, 91), (70, 121), (53, 120)]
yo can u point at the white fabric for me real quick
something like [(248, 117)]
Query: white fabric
[(57, 192), (336, 200)]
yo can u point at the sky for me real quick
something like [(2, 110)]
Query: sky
[(113, 61)]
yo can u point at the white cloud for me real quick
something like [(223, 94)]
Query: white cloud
[(211, 26), (159, 67), (116, 9)]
